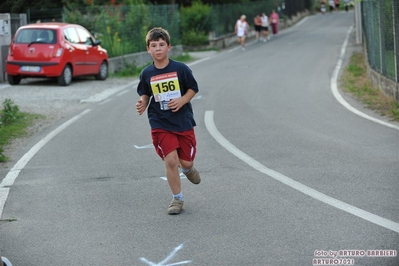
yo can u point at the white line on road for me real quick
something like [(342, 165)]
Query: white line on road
[(107, 93), (294, 184), (168, 258), (198, 61), (3, 197), (105, 101), (14, 172), (123, 92)]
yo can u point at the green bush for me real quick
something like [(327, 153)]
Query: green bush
[(10, 113), (13, 124), (195, 24), (194, 38)]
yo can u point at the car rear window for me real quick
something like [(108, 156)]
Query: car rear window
[(36, 35)]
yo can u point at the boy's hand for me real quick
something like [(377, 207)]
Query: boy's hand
[(176, 104), (140, 106)]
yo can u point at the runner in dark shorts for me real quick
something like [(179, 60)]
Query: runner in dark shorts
[(258, 27), (265, 26)]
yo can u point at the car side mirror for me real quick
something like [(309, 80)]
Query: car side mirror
[(97, 42)]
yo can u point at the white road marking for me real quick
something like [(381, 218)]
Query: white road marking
[(144, 147), (299, 23), (198, 61), (182, 176), (294, 184), (104, 102), (14, 172), (168, 258), (337, 95), (107, 93), (122, 92), (3, 197)]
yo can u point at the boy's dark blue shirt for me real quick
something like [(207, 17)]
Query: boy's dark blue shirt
[(181, 120)]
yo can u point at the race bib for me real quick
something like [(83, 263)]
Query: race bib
[(164, 88)]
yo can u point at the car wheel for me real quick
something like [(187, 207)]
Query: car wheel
[(103, 73), (66, 76), (13, 80)]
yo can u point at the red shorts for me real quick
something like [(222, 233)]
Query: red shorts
[(167, 141)]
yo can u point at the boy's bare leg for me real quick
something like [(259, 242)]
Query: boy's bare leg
[(186, 164), (172, 172)]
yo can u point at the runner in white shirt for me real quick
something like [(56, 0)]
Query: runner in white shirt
[(241, 28), (265, 27)]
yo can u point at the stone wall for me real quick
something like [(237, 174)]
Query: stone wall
[(386, 85), (389, 87)]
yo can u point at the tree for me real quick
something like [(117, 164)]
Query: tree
[(21, 6)]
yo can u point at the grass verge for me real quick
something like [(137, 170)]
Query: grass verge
[(13, 125), (356, 82)]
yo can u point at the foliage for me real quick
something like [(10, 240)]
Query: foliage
[(122, 29), (195, 23), (10, 112), (20, 6), (196, 17), (194, 38), (136, 25), (8, 115), (13, 123), (3, 158)]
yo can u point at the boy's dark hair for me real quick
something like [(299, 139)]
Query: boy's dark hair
[(157, 33)]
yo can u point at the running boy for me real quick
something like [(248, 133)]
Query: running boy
[(166, 87)]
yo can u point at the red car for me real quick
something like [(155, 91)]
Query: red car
[(55, 50)]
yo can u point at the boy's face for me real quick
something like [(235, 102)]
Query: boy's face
[(158, 49)]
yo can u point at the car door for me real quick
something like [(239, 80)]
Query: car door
[(93, 58), (77, 50)]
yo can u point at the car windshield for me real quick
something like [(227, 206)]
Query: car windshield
[(30, 36)]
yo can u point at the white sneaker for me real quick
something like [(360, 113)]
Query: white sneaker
[(242, 48)]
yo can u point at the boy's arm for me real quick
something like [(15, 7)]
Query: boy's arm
[(176, 104), (142, 103)]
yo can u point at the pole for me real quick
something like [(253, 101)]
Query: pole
[(358, 22)]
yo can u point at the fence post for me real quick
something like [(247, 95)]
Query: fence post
[(382, 37), (358, 21), (395, 23)]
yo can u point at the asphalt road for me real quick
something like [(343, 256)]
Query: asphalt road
[(289, 175)]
